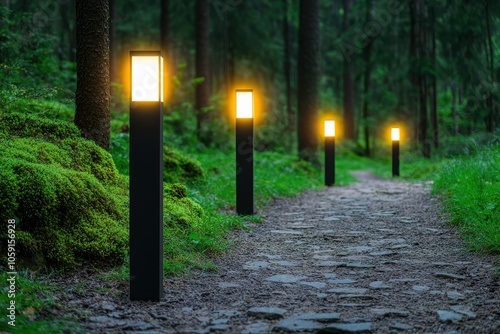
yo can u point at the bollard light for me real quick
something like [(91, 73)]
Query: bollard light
[(329, 152), (396, 136), (244, 152), (146, 176)]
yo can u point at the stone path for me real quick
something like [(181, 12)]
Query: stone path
[(373, 257)]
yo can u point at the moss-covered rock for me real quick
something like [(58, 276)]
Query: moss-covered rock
[(180, 211), (26, 125), (180, 168), (70, 202)]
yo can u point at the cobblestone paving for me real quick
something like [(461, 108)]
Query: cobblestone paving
[(373, 257)]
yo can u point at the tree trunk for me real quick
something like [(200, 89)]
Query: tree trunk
[(113, 58), (414, 37), (490, 118), (203, 70), (423, 81), (349, 103), (308, 80), (92, 86), (366, 86), (288, 72), (434, 104)]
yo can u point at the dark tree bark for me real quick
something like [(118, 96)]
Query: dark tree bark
[(490, 118), (113, 57), (349, 103), (288, 70), (434, 101), (366, 85), (308, 80), (92, 85), (414, 37), (424, 119), (203, 69)]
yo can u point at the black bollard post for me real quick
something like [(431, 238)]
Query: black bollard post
[(146, 176)]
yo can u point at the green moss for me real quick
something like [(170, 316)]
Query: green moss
[(180, 168), (71, 202), (26, 125)]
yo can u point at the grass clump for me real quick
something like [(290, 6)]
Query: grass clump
[(470, 187)]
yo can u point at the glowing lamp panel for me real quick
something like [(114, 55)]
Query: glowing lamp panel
[(147, 78), (244, 104), (329, 128), (395, 134)]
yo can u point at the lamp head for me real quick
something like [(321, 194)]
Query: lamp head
[(244, 103), (147, 76), (329, 128)]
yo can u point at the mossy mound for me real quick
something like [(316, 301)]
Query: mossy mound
[(70, 202), (180, 211), (30, 126), (180, 168)]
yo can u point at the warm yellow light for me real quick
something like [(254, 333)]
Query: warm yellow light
[(147, 78), (395, 134), (244, 104), (329, 128)]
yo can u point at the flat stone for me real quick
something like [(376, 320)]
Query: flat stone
[(420, 287), (464, 310), (300, 227), (227, 285), (329, 275), (320, 317), (330, 264), (256, 328), (284, 278), (329, 219), (292, 325), (138, 325), (267, 312), (455, 295), (400, 326), (449, 276), (286, 232), (390, 312), (342, 281), (359, 265), (317, 285), (383, 253), (285, 263), (379, 285), (348, 290), (255, 265), (363, 327), (448, 316)]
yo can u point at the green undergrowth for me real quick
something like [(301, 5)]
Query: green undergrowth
[(35, 306), (470, 187)]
